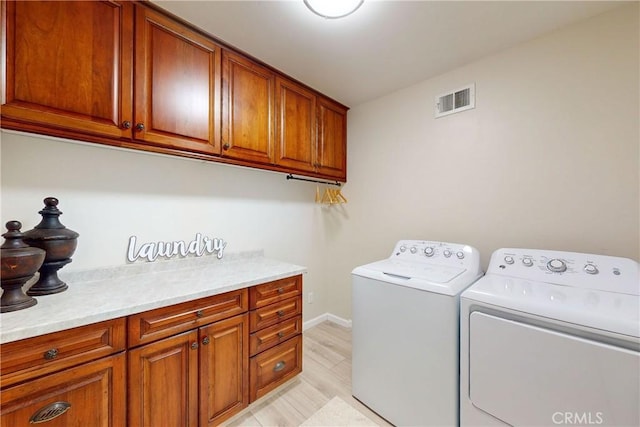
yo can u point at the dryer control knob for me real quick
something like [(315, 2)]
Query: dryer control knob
[(403, 248), (509, 259), (413, 250), (446, 253), (428, 251), (460, 254), (528, 262), (557, 265), (591, 269)]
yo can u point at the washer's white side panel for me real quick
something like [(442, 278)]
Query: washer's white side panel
[(405, 353), (526, 375)]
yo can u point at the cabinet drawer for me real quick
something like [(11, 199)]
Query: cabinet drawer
[(274, 313), (275, 366), (274, 335), (94, 394), (268, 293), (163, 322), (29, 358)]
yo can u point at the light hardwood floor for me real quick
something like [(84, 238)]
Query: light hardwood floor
[(326, 373)]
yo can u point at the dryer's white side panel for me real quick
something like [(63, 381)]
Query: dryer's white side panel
[(525, 375), (405, 353)]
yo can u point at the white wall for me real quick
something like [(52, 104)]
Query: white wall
[(107, 195), (548, 158)]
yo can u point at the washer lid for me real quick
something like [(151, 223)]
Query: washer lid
[(443, 279), (608, 311)]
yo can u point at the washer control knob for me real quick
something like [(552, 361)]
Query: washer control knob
[(413, 250), (557, 265), (509, 259), (428, 251), (528, 262), (446, 253), (403, 248), (460, 254), (591, 269)]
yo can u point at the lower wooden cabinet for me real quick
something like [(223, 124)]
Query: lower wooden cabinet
[(193, 364), (196, 378), (93, 394), (163, 382)]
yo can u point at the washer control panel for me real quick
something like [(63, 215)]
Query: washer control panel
[(568, 268), (428, 251)]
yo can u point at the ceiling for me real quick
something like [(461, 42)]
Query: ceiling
[(385, 45)]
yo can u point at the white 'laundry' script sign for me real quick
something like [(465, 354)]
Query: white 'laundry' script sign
[(198, 246)]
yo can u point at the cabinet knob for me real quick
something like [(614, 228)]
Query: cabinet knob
[(280, 334), (281, 291), (194, 346), (226, 146), (51, 354), (279, 366), (280, 313), (205, 340), (199, 313), (140, 127), (126, 124)]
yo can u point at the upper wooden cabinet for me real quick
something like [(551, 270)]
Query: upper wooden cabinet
[(332, 139), (247, 109), (68, 66), (312, 131), (296, 107), (125, 73), (177, 81)]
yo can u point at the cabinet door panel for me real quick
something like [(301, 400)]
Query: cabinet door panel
[(67, 66), (224, 369), (177, 85), (296, 115), (247, 109), (332, 140), (95, 391), (163, 383)]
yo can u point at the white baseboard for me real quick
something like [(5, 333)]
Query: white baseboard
[(326, 317)]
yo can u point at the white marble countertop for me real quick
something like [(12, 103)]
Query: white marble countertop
[(109, 293)]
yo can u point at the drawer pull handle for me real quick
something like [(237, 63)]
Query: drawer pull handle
[(51, 354), (205, 340), (279, 366), (199, 313), (49, 412), (281, 291), (280, 313), (280, 334), (194, 346)]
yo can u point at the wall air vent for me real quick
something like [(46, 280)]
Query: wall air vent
[(456, 101)]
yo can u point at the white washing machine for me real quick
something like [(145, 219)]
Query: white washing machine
[(551, 338), (405, 331)]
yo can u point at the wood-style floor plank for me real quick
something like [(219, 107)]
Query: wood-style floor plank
[(326, 374)]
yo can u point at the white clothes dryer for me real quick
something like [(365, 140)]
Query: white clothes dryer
[(551, 338), (405, 331)]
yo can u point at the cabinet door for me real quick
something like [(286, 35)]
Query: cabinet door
[(66, 67), (332, 140), (247, 109), (224, 369), (177, 82), (163, 383), (296, 130), (94, 395)]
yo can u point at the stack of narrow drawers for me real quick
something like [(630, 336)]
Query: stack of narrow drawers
[(275, 325)]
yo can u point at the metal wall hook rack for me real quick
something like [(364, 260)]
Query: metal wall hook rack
[(336, 183)]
